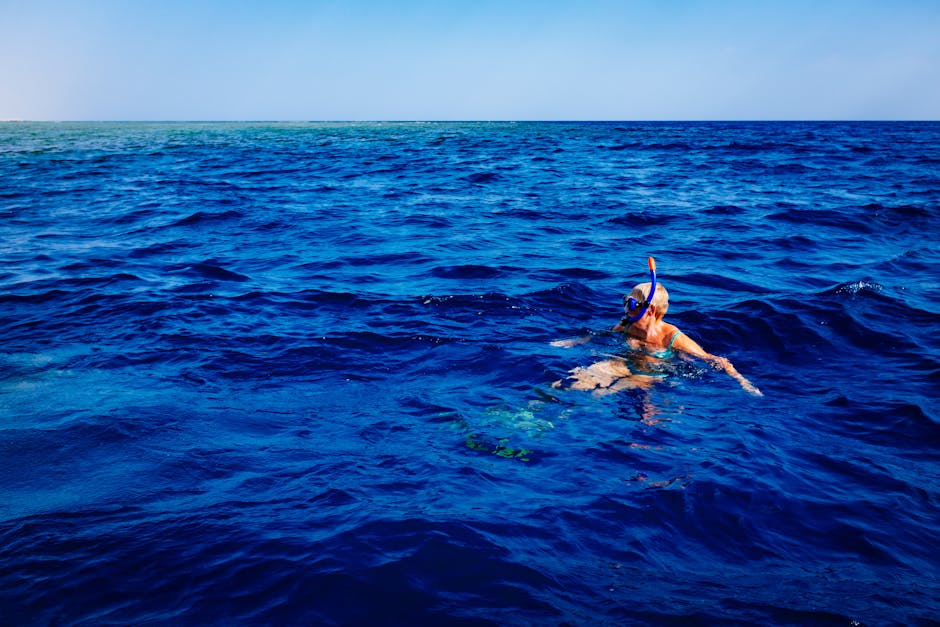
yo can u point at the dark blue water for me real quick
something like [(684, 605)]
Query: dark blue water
[(301, 374)]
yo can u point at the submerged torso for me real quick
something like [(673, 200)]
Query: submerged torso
[(645, 358)]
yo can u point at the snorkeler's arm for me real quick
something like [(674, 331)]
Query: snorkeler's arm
[(620, 327), (686, 344), (571, 341)]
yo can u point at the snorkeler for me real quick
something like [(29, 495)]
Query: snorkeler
[(653, 341)]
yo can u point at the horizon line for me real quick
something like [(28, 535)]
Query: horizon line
[(461, 121)]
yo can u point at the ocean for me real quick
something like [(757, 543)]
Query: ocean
[(301, 374)]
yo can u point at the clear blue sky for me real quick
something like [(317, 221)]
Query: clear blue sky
[(469, 59)]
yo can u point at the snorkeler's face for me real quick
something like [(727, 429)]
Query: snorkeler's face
[(637, 310), (633, 306)]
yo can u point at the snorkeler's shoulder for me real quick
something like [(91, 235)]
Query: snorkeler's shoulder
[(669, 332)]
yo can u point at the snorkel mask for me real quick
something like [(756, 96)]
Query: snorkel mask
[(638, 306)]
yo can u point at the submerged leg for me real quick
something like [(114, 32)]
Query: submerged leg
[(606, 377)]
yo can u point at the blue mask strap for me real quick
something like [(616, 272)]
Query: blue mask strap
[(632, 303)]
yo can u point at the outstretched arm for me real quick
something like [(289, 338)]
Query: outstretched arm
[(574, 341), (571, 341), (686, 344)]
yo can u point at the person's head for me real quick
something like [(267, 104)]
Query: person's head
[(660, 299)]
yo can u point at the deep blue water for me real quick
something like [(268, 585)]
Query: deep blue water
[(301, 374)]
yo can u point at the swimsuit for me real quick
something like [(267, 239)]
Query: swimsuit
[(667, 352)]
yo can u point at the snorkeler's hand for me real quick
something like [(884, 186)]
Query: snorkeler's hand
[(571, 341), (749, 388), (722, 363), (725, 364)]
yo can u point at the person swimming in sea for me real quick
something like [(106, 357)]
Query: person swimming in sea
[(653, 340)]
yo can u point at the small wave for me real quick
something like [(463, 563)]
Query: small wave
[(303, 301), (69, 286), (856, 288), (655, 147), (642, 219), (885, 421), (724, 210), (791, 168), (898, 212), (212, 271), (480, 178), (202, 217), (627, 146), (470, 271), (157, 250), (424, 221), (585, 274), (792, 243), (718, 281), (131, 217), (388, 259), (36, 299), (836, 219), (745, 147), (491, 301), (786, 328)]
